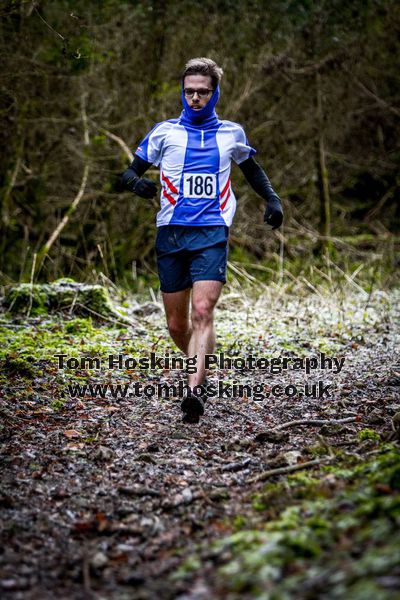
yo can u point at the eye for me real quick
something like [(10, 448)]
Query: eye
[(202, 93)]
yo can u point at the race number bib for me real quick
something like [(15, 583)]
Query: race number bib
[(199, 185)]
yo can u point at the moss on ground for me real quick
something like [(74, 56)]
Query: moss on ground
[(25, 351), (61, 295), (335, 532)]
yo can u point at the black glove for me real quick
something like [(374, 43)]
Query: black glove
[(145, 188), (273, 215)]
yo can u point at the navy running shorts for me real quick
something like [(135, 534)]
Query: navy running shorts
[(186, 254)]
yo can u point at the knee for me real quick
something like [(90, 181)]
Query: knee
[(202, 313), (177, 326)]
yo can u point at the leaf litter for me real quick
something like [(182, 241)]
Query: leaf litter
[(117, 498)]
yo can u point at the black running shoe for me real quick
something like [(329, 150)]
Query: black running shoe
[(205, 385), (192, 407)]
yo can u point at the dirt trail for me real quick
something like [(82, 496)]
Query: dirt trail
[(107, 498)]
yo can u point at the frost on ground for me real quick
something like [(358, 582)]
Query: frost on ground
[(111, 497)]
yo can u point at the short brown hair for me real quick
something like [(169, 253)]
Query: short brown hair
[(203, 66)]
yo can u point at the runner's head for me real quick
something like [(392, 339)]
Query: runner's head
[(199, 80)]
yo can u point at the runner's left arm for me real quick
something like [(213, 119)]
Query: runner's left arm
[(258, 179)]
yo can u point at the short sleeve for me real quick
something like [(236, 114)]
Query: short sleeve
[(150, 148), (242, 149)]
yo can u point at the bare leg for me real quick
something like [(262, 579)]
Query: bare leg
[(202, 341), (176, 306)]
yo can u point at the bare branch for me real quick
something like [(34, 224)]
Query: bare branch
[(49, 26), (313, 422), (5, 213), (117, 139), (64, 221), (290, 469), (377, 98), (313, 67)]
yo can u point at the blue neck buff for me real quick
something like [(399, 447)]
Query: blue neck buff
[(203, 118)]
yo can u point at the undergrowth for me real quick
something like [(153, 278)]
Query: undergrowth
[(334, 532)]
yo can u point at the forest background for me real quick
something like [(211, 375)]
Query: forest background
[(114, 497), (315, 84)]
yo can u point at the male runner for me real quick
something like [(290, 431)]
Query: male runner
[(194, 153)]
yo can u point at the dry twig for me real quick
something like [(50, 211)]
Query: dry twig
[(313, 422), (290, 469)]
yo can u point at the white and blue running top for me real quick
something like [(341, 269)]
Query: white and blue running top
[(194, 156)]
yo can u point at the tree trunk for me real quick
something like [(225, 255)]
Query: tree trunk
[(322, 172)]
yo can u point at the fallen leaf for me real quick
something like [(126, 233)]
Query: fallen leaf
[(71, 433)]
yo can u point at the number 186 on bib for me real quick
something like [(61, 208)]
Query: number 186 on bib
[(199, 185)]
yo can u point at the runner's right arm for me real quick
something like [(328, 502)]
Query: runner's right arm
[(133, 181)]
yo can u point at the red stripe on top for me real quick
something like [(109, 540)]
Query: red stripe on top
[(169, 197), (169, 184), (225, 188), (225, 201)]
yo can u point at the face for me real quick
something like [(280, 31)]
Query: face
[(198, 83)]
